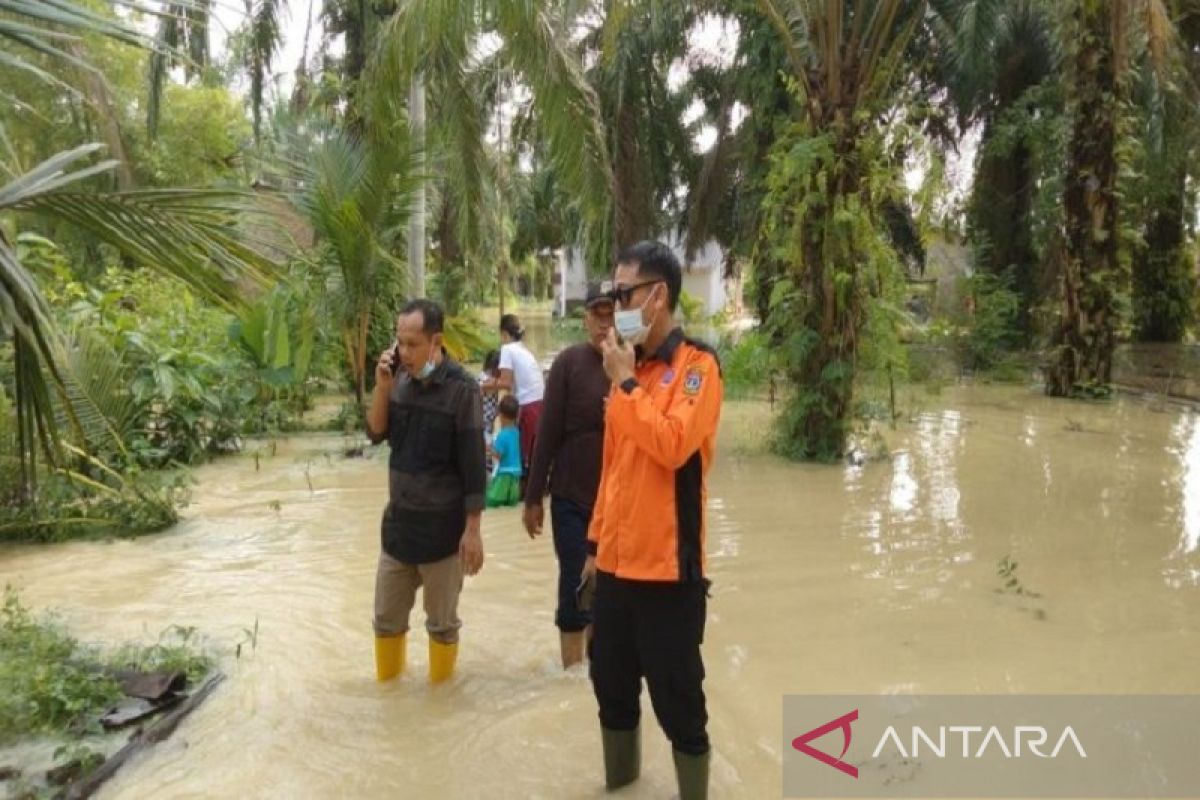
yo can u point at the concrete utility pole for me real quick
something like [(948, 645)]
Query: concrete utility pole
[(416, 222)]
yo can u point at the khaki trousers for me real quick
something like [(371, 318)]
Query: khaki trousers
[(396, 585)]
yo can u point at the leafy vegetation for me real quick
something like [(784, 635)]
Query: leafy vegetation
[(56, 685), (146, 326), (51, 680), (746, 364)]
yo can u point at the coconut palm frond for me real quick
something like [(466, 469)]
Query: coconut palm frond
[(191, 234), (96, 391)]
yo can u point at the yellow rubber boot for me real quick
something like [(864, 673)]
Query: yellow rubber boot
[(441, 660), (389, 657)]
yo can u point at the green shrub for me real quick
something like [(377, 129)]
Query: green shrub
[(188, 392), (53, 684), (50, 681), (746, 363), (70, 506), (994, 327), (691, 307)]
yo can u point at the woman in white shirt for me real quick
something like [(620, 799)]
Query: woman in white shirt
[(521, 375)]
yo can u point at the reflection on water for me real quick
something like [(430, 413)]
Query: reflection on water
[(880, 577), (1185, 446)]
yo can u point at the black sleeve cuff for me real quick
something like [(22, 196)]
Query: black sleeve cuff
[(591, 548), (628, 385)]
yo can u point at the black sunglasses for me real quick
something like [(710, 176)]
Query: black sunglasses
[(623, 294)]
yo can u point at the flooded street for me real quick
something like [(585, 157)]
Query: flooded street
[(847, 579)]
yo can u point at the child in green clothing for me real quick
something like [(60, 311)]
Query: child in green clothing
[(504, 489)]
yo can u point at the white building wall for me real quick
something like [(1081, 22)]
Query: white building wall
[(571, 280), (701, 276)]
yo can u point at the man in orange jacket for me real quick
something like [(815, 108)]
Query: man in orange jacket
[(646, 538)]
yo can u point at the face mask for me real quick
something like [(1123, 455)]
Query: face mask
[(430, 366), (629, 325)]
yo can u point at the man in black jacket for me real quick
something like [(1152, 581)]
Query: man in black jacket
[(429, 410)]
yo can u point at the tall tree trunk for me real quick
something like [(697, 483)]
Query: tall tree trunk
[(361, 20), (502, 282), (634, 200), (106, 118), (416, 222), (1164, 278), (349, 348), (1092, 278), (830, 314), (1001, 208), (361, 359), (765, 274)]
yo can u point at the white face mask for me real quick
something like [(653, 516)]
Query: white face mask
[(430, 365), (628, 322)]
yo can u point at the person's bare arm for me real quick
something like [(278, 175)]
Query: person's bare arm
[(503, 381)]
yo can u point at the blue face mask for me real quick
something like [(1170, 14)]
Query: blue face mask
[(629, 324)]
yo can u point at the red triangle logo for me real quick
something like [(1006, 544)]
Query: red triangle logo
[(801, 743)]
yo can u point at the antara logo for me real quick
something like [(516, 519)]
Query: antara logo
[(1032, 736), (843, 722)]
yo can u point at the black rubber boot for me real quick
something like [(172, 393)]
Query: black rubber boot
[(692, 774), (622, 757)]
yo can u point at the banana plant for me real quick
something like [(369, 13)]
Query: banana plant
[(278, 341)]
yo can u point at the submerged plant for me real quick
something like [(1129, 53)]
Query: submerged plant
[(53, 684), (1006, 570)]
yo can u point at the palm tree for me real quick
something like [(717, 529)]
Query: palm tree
[(266, 36), (631, 51), (182, 39), (187, 233), (829, 182), (357, 196), (439, 40), (1093, 275), (55, 31), (992, 55), (1164, 279)]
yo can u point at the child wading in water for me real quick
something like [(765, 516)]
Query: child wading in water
[(505, 486)]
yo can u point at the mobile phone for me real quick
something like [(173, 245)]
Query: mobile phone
[(584, 593), (394, 362)]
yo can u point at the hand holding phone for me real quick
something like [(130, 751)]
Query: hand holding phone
[(388, 364), (585, 592)]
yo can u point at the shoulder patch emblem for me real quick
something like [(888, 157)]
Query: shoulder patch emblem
[(668, 376), (692, 381)]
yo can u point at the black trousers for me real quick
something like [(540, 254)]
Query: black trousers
[(570, 522), (652, 630)]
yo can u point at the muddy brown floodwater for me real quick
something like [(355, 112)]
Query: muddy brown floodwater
[(856, 579)]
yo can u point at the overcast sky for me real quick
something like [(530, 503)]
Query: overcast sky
[(229, 14), (711, 41)]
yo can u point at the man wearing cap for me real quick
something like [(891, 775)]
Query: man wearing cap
[(567, 455)]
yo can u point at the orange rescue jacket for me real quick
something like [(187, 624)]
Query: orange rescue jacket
[(659, 441)]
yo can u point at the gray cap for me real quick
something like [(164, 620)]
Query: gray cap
[(598, 293)]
